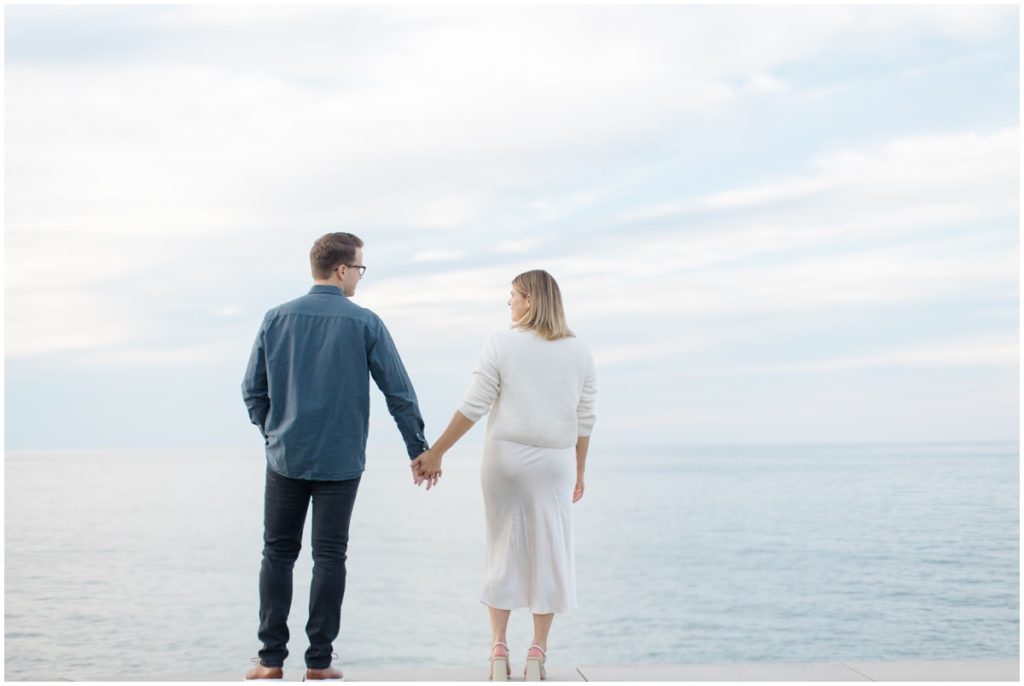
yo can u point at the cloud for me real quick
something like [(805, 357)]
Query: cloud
[(978, 167), (807, 284), (948, 354), (45, 323), (155, 356), (606, 355), (757, 195), (916, 187), (681, 169), (766, 83), (438, 256), (521, 245), (910, 186)]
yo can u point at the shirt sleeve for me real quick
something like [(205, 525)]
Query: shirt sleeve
[(389, 374), (585, 415), (486, 384), (255, 388)]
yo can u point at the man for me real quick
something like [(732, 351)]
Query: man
[(307, 389)]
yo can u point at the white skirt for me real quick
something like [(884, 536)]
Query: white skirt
[(530, 558)]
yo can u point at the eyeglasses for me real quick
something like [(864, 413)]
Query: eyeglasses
[(361, 268)]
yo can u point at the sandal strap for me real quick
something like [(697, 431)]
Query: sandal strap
[(500, 643), (542, 651)]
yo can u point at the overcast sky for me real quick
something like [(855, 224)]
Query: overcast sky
[(770, 224)]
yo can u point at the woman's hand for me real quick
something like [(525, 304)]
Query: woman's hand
[(427, 467), (577, 492)]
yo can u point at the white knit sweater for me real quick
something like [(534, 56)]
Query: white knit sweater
[(542, 391)]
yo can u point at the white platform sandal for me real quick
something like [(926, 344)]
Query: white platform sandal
[(535, 665), (500, 670)]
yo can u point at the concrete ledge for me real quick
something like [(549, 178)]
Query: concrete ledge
[(455, 674), (1008, 670), (991, 670), (1002, 670), (834, 671)]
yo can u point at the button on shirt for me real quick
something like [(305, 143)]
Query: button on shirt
[(307, 386)]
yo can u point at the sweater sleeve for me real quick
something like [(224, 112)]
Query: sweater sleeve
[(486, 384), (585, 415)]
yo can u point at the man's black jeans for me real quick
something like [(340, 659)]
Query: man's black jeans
[(286, 503)]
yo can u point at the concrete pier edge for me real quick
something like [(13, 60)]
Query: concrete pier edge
[(945, 670)]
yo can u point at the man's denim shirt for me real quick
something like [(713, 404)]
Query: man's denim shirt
[(307, 386)]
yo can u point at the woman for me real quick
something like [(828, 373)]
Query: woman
[(537, 381)]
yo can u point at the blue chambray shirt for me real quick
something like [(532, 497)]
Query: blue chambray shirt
[(307, 386)]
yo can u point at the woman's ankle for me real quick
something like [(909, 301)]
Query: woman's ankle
[(498, 648)]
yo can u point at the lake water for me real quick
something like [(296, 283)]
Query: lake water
[(126, 564)]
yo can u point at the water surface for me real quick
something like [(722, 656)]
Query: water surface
[(121, 564)]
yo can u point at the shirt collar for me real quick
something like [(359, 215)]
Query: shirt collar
[(326, 290)]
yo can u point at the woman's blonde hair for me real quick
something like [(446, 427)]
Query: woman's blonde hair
[(545, 314)]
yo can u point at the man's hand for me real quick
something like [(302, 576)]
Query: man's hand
[(427, 467)]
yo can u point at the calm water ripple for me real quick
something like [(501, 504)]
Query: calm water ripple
[(136, 564)]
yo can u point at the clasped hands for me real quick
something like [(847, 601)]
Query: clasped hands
[(427, 467)]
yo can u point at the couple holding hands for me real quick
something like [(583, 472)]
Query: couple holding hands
[(306, 388)]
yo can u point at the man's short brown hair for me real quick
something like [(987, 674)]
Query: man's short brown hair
[(332, 250)]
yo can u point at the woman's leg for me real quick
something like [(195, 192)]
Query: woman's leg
[(536, 657), (500, 669), (499, 628), (541, 629)]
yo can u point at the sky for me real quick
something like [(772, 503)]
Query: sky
[(770, 224)]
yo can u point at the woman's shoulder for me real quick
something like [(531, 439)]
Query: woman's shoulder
[(580, 347), (529, 337), (513, 333), (577, 347), (498, 339)]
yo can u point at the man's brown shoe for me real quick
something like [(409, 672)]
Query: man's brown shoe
[(262, 672), (327, 674)]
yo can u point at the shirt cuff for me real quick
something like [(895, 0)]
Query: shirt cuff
[(417, 449)]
